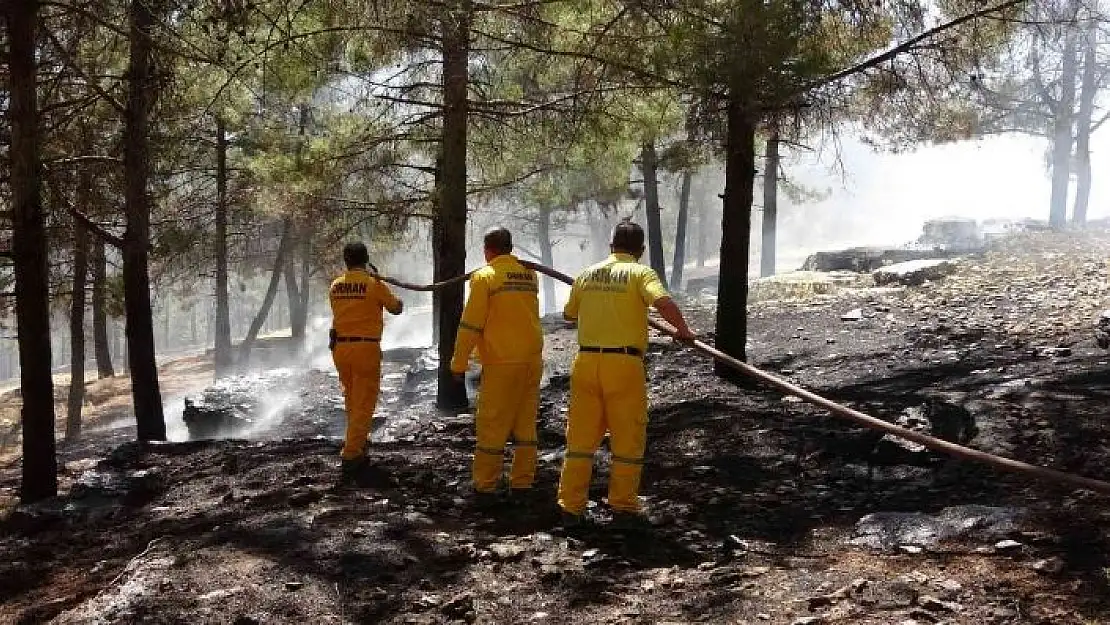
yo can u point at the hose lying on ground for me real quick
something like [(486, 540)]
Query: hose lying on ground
[(933, 443)]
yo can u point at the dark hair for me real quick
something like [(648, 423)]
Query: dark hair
[(355, 255), (499, 240), (628, 237)]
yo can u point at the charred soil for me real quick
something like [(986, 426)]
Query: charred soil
[(763, 509)]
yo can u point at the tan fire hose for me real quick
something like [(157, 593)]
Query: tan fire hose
[(435, 286), (936, 444)]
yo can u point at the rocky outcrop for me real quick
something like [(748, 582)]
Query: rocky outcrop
[(863, 259), (914, 272), (952, 234), (1102, 331)]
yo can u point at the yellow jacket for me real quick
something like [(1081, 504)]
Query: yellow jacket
[(502, 316), (610, 301), (357, 300)]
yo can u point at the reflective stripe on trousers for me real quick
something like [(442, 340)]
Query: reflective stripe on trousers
[(607, 393), (360, 369), (508, 399)]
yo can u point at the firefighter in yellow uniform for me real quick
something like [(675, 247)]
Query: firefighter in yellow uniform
[(357, 300), (502, 320), (609, 302)]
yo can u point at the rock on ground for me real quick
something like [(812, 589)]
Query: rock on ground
[(914, 272)]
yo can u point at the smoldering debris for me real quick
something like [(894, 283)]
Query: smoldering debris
[(306, 402), (239, 405)]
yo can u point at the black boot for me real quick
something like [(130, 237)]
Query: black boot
[(630, 522), (527, 497), (572, 524), (486, 501), (362, 473), (350, 470)]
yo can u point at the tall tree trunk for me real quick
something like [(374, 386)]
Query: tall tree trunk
[(298, 306), (119, 343), (297, 294), (1083, 125), (435, 297), (223, 356), (449, 227), (736, 227), (59, 353), (29, 253), (169, 338), (298, 300), (599, 230), (136, 275), (770, 206), (547, 257), (679, 263), (306, 286), (1062, 134), (193, 336), (292, 293), (649, 163), (101, 343), (703, 232), (271, 292), (77, 326)]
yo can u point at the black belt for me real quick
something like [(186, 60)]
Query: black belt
[(631, 351), (356, 339)]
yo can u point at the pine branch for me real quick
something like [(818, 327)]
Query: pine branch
[(408, 101), (376, 207), (910, 44), (795, 144), (73, 160), (1095, 126), (71, 63), (633, 70), (1038, 81), (272, 45), (527, 108), (96, 228), (529, 4)]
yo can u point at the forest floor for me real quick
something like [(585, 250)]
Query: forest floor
[(763, 509), (107, 400)]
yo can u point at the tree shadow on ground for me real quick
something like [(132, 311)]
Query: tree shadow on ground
[(266, 523), (375, 568), (738, 452)]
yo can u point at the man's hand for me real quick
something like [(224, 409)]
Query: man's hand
[(672, 315)]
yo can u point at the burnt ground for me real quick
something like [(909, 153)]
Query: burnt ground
[(763, 507)]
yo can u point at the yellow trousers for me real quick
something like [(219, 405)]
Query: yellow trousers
[(608, 392), (360, 369), (508, 398)]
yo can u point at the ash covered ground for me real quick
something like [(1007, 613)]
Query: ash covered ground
[(765, 509)]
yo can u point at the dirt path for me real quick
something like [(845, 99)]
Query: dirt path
[(107, 401), (763, 508)]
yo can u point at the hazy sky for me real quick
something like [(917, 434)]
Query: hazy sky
[(886, 197)]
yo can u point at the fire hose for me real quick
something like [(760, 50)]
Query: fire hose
[(936, 444)]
